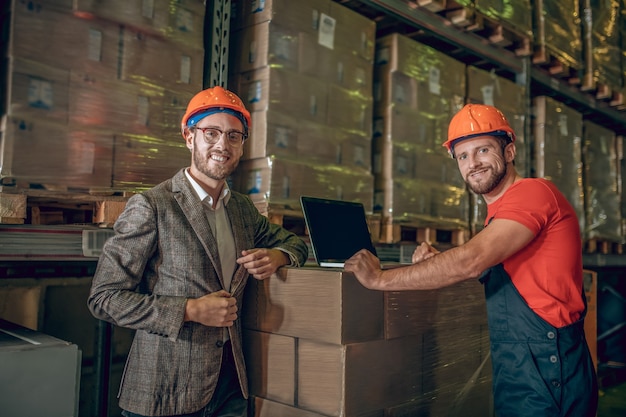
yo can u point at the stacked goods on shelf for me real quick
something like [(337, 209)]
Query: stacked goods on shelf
[(503, 16), (324, 345), (419, 90), (557, 132), (304, 70), (513, 13), (488, 88), (600, 185), (601, 46), (558, 39), (95, 92)]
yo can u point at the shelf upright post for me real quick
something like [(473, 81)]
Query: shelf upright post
[(216, 42)]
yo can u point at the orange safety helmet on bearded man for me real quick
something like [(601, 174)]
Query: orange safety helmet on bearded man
[(214, 100), (477, 120)]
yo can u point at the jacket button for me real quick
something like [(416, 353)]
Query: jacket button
[(219, 343), (553, 359), (556, 383), (550, 335)]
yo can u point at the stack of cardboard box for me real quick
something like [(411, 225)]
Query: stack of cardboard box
[(558, 131), (320, 344), (418, 90), (95, 91), (601, 188), (304, 69)]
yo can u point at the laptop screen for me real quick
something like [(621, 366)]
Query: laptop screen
[(337, 229)]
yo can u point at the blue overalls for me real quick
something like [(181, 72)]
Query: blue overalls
[(538, 370)]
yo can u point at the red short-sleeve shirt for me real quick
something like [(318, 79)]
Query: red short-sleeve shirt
[(548, 272)]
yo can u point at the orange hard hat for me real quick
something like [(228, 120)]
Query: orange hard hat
[(214, 100), (477, 120)]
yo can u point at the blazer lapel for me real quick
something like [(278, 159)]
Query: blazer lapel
[(194, 212), (242, 240)]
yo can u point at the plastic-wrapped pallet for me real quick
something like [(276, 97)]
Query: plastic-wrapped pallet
[(602, 199), (418, 90), (558, 131), (84, 75), (304, 69)]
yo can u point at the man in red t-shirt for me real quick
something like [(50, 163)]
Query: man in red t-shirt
[(529, 258)]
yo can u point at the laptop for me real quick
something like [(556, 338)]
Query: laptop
[(337, 229)]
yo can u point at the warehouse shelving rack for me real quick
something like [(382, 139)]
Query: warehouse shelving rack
[(472, 48)]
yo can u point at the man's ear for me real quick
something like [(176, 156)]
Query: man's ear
[(510, 152), (188, 134)]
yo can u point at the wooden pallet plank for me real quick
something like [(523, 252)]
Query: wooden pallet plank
[(392, 233), (12, 208), (603, 246), (58, 206)]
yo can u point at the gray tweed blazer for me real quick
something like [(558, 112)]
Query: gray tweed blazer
[(163, 252)]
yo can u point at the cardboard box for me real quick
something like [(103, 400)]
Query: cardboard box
[(300, 16), (273, 133), (151, 59), (38, 91), (349, 111), (558, 131), (283, 180), (49, 153), (433, 356), (417, 91), (64, 41), (271, 363), (352, 30), (266, 44), (355, 149), (438, 80), (600, 188), (410, 313), (181, 22), (328, 306), (399, 198), (21, 304), (141, 162), (282, 90), (358, 378)]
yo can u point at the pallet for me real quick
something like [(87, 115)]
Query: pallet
[(602, 91), (493, 31), (604, 247), (431, 5), (555, 66), (436, 235), (40, 206), (293, 221)]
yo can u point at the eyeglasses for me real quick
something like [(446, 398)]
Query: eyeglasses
[(212, 135)]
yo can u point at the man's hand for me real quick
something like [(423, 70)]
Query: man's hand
[(423, 252), (262, 263), (366, 268), (217, 309)]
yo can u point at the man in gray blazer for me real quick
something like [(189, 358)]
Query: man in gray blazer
[(176, 269)]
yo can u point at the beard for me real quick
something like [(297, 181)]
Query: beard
[(490, 184), (216, 172)]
